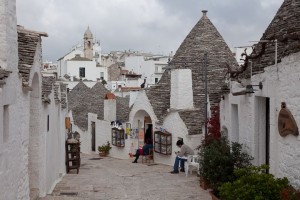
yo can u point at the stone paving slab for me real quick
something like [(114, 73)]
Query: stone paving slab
[(111, 178)]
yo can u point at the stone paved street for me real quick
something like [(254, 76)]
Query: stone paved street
[(111, 178)]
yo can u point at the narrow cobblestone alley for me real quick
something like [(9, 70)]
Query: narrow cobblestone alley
[(111, 178)]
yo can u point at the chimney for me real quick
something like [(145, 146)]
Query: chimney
[(110, 107), (204, 13), (181, 89)]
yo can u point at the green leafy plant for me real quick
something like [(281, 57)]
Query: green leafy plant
[(103, 82), (219, 159), (104, 148), (253, 183)]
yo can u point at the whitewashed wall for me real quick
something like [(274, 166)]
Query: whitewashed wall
[(13, 148), (91, 71), (21, 130), (54, 144), (280, 84)]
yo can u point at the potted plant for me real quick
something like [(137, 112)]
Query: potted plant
[(104, 149), (254, 183), (219, 157)]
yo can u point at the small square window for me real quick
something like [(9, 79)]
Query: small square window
[(81, 72)]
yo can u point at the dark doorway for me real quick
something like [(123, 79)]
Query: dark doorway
[(93, 137), (268, 132), (148, 132)]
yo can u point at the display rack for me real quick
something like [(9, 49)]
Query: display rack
[(163, 142), (118, 137), (72, 156)]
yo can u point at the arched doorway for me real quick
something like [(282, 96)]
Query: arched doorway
[(142, 121), (34, 139)]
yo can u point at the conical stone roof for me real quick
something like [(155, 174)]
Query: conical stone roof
[(285, 27), (96, 99), (78, 104), (203, 39), (83, 100)]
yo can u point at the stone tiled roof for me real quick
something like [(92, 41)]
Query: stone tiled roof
[(3, 75), (63, 95), (123, 109), (190, 118), (285, 27), (47, 83), (56, 92), (159, 96), (78, 105), (128, 89), (203, 39), (27, 45), (79, 58), (83, 100), (96, 99)]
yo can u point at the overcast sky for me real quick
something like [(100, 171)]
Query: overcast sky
[(157, 26)]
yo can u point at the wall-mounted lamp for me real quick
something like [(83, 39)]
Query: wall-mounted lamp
[(249, 89)]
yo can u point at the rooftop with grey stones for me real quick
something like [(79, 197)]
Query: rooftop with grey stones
[(83, 100), (285, 28), (202, 39)]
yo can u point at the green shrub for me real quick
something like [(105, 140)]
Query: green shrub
[(218, 159), (253, 183)]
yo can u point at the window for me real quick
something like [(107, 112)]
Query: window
[(5, 123), (101, 75), (156, 69), (156, 80), (81, 72), (118, 137), (163, 142)]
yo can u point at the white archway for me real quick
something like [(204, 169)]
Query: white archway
[(34, 139)]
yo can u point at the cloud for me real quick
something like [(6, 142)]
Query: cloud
[(146, 25)]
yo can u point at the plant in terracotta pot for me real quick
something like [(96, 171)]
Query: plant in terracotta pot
[(104, 149)]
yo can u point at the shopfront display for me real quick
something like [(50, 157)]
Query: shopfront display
[(118, 137), (163, 142)]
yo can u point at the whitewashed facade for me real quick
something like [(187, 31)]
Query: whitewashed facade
[(86, 56), (244, 117), (150, 68), (31, 158), (254, 118)]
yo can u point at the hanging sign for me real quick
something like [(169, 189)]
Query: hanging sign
[(286, 122)]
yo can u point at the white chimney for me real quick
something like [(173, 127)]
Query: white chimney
[(181, 89), (110, 110)]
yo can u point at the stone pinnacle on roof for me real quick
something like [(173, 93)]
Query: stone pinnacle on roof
[(88, 33)]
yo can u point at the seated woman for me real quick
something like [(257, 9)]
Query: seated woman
[(145, 151)]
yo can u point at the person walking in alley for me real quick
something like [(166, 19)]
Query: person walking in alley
[(181, 156), (145, 151)]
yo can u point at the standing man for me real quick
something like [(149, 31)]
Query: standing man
[(181, 157)]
